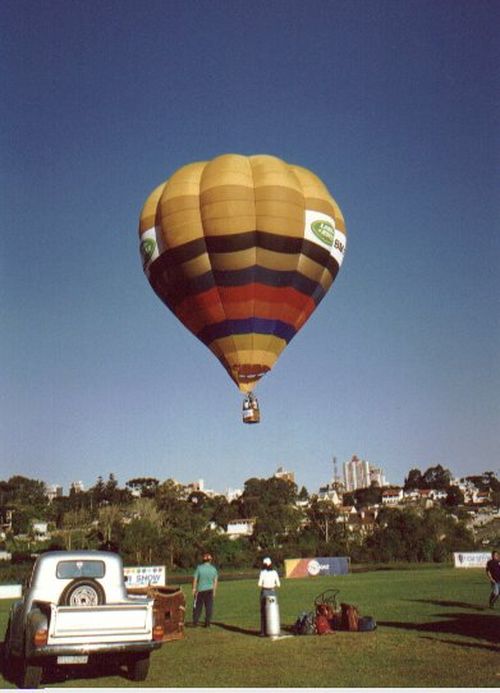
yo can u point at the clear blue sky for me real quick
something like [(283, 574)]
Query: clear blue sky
[(393, 103)]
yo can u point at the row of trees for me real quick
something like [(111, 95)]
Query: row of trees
[(153, 522)]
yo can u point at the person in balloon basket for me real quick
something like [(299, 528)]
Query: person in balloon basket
[(269, 581), (204, 588), (493, 573)]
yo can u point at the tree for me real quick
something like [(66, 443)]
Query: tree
[(146, 509), (146, 485), (414, 480), (322, 516), (406, 535), (367, 496), (455, 497), (222, 511), (25, 493), (273, 503), (110, 520), (303, 494), (437, 477), (185, 529), (75, 525), (98, 492), (142, 541)]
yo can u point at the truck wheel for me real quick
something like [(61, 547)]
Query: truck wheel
[(31, 676), (9, 661), (83, 592), (138, 668)]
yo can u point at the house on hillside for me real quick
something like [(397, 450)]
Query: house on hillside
[(482, 498), (330, 492), (240, 528), (425, 497), (40, 530), (392, 496), (438, 494), (360, 522)]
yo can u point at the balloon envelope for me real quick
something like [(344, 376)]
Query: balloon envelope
[(242, 250)]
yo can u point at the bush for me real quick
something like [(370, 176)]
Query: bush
[(14, 574), (21, 557)]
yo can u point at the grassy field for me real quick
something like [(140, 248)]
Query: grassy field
[(434, 630)]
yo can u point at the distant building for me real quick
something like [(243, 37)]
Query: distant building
[(232, 494), (77, 487), (377, 476), (281, 473), (392, 496), (53, 491), (40, 530), (360, 474), (330, 492), (240, 528), (198, 486)]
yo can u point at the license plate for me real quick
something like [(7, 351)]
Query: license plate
[(73, 659)]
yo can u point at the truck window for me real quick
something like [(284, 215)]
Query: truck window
[(77, 569)]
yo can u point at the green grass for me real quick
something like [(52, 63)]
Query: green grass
[(434, 630)]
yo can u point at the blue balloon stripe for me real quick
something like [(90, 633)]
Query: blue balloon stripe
[(228, 328)]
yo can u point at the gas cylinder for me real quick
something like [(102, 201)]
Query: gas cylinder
[(272, 616)]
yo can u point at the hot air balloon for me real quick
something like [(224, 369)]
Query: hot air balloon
[(242, 250)]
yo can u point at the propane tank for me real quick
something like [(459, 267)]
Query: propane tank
[(272, 616)]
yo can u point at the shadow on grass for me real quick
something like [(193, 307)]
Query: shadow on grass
[(468, 645), (236, 629), (446, 603), (246, 631), (481, 626)]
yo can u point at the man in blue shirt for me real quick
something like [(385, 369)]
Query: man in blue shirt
[(204, 588)]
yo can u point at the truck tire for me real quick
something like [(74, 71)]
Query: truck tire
[(31, 675), (9, 661), (138, 668), (83, 592)]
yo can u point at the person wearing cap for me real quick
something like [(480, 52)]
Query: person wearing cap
[(204, 587), (268, 582)]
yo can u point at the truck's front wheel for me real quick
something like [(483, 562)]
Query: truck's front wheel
[(31, 675), (138, 668)]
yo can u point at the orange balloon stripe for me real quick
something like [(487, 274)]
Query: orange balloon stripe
[(230, 303)]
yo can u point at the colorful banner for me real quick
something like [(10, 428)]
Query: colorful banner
[(143, 576), (312, 567), (471, 559)]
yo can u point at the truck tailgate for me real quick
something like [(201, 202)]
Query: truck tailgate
[(108, 623)]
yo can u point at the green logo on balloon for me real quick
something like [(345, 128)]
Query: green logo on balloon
[(324, 231), (148, 247)]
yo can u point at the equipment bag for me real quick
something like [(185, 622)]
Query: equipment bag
[(325, 610), (350, 617), (305, 624), (322, 625), (366, 623)]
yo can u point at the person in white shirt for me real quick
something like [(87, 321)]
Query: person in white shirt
[(268, 582)]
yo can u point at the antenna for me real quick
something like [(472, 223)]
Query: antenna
[(335, 471)]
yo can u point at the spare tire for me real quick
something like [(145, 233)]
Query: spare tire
[(83, 592)]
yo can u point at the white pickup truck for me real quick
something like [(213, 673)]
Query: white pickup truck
[(75, 610)]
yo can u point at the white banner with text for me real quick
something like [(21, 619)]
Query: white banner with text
[(143, 576), (471, 559)]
